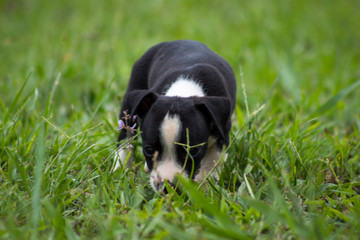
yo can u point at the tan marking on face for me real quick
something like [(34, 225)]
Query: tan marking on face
[(170, 132), (208, 162), (167, 167)]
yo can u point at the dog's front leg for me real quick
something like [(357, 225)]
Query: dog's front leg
[(124, 152), (124, 156)]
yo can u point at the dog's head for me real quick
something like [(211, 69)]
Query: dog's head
[(175, 132)]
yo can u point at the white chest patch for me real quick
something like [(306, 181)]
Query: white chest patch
[(184, 87), (167, 167)]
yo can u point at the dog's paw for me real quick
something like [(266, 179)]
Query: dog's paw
[(123, 157), (146, 168)]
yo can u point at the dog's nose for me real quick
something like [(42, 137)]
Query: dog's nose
[(160, 186)]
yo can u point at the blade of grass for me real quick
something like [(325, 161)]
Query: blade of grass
[(244, 90), (223, 222), (335, 99), (36, 196), (51, 96), (306, 170), (16, 99), (104, 94), (268, 95)]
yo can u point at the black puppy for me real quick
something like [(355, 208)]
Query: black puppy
[(180, 90)]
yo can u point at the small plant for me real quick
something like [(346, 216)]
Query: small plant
[(124, 124)]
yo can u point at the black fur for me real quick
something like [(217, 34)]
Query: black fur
[(154, 73)]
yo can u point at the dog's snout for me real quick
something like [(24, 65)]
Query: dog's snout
[(166, 170), (160, 186)]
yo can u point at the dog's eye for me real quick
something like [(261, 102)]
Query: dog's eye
[(149, 151), (194, 151)]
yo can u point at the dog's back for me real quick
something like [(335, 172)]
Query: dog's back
[(164, 63)]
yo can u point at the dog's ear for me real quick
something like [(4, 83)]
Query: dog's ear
[(140, 101), (218, 111)]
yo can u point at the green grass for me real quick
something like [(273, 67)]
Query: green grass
[(293, 169)]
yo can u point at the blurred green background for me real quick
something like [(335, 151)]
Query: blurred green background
[(311, 46)]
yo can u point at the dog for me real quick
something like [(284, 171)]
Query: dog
[(182, 94)]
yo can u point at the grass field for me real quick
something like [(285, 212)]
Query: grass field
[(293, 170)]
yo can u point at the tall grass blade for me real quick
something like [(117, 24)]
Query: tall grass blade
[(271, 90), (290, 83), (51, 96), (244, 91), (16, 99), (335, 99), (36, 196), (103, 97), (223, 223)]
